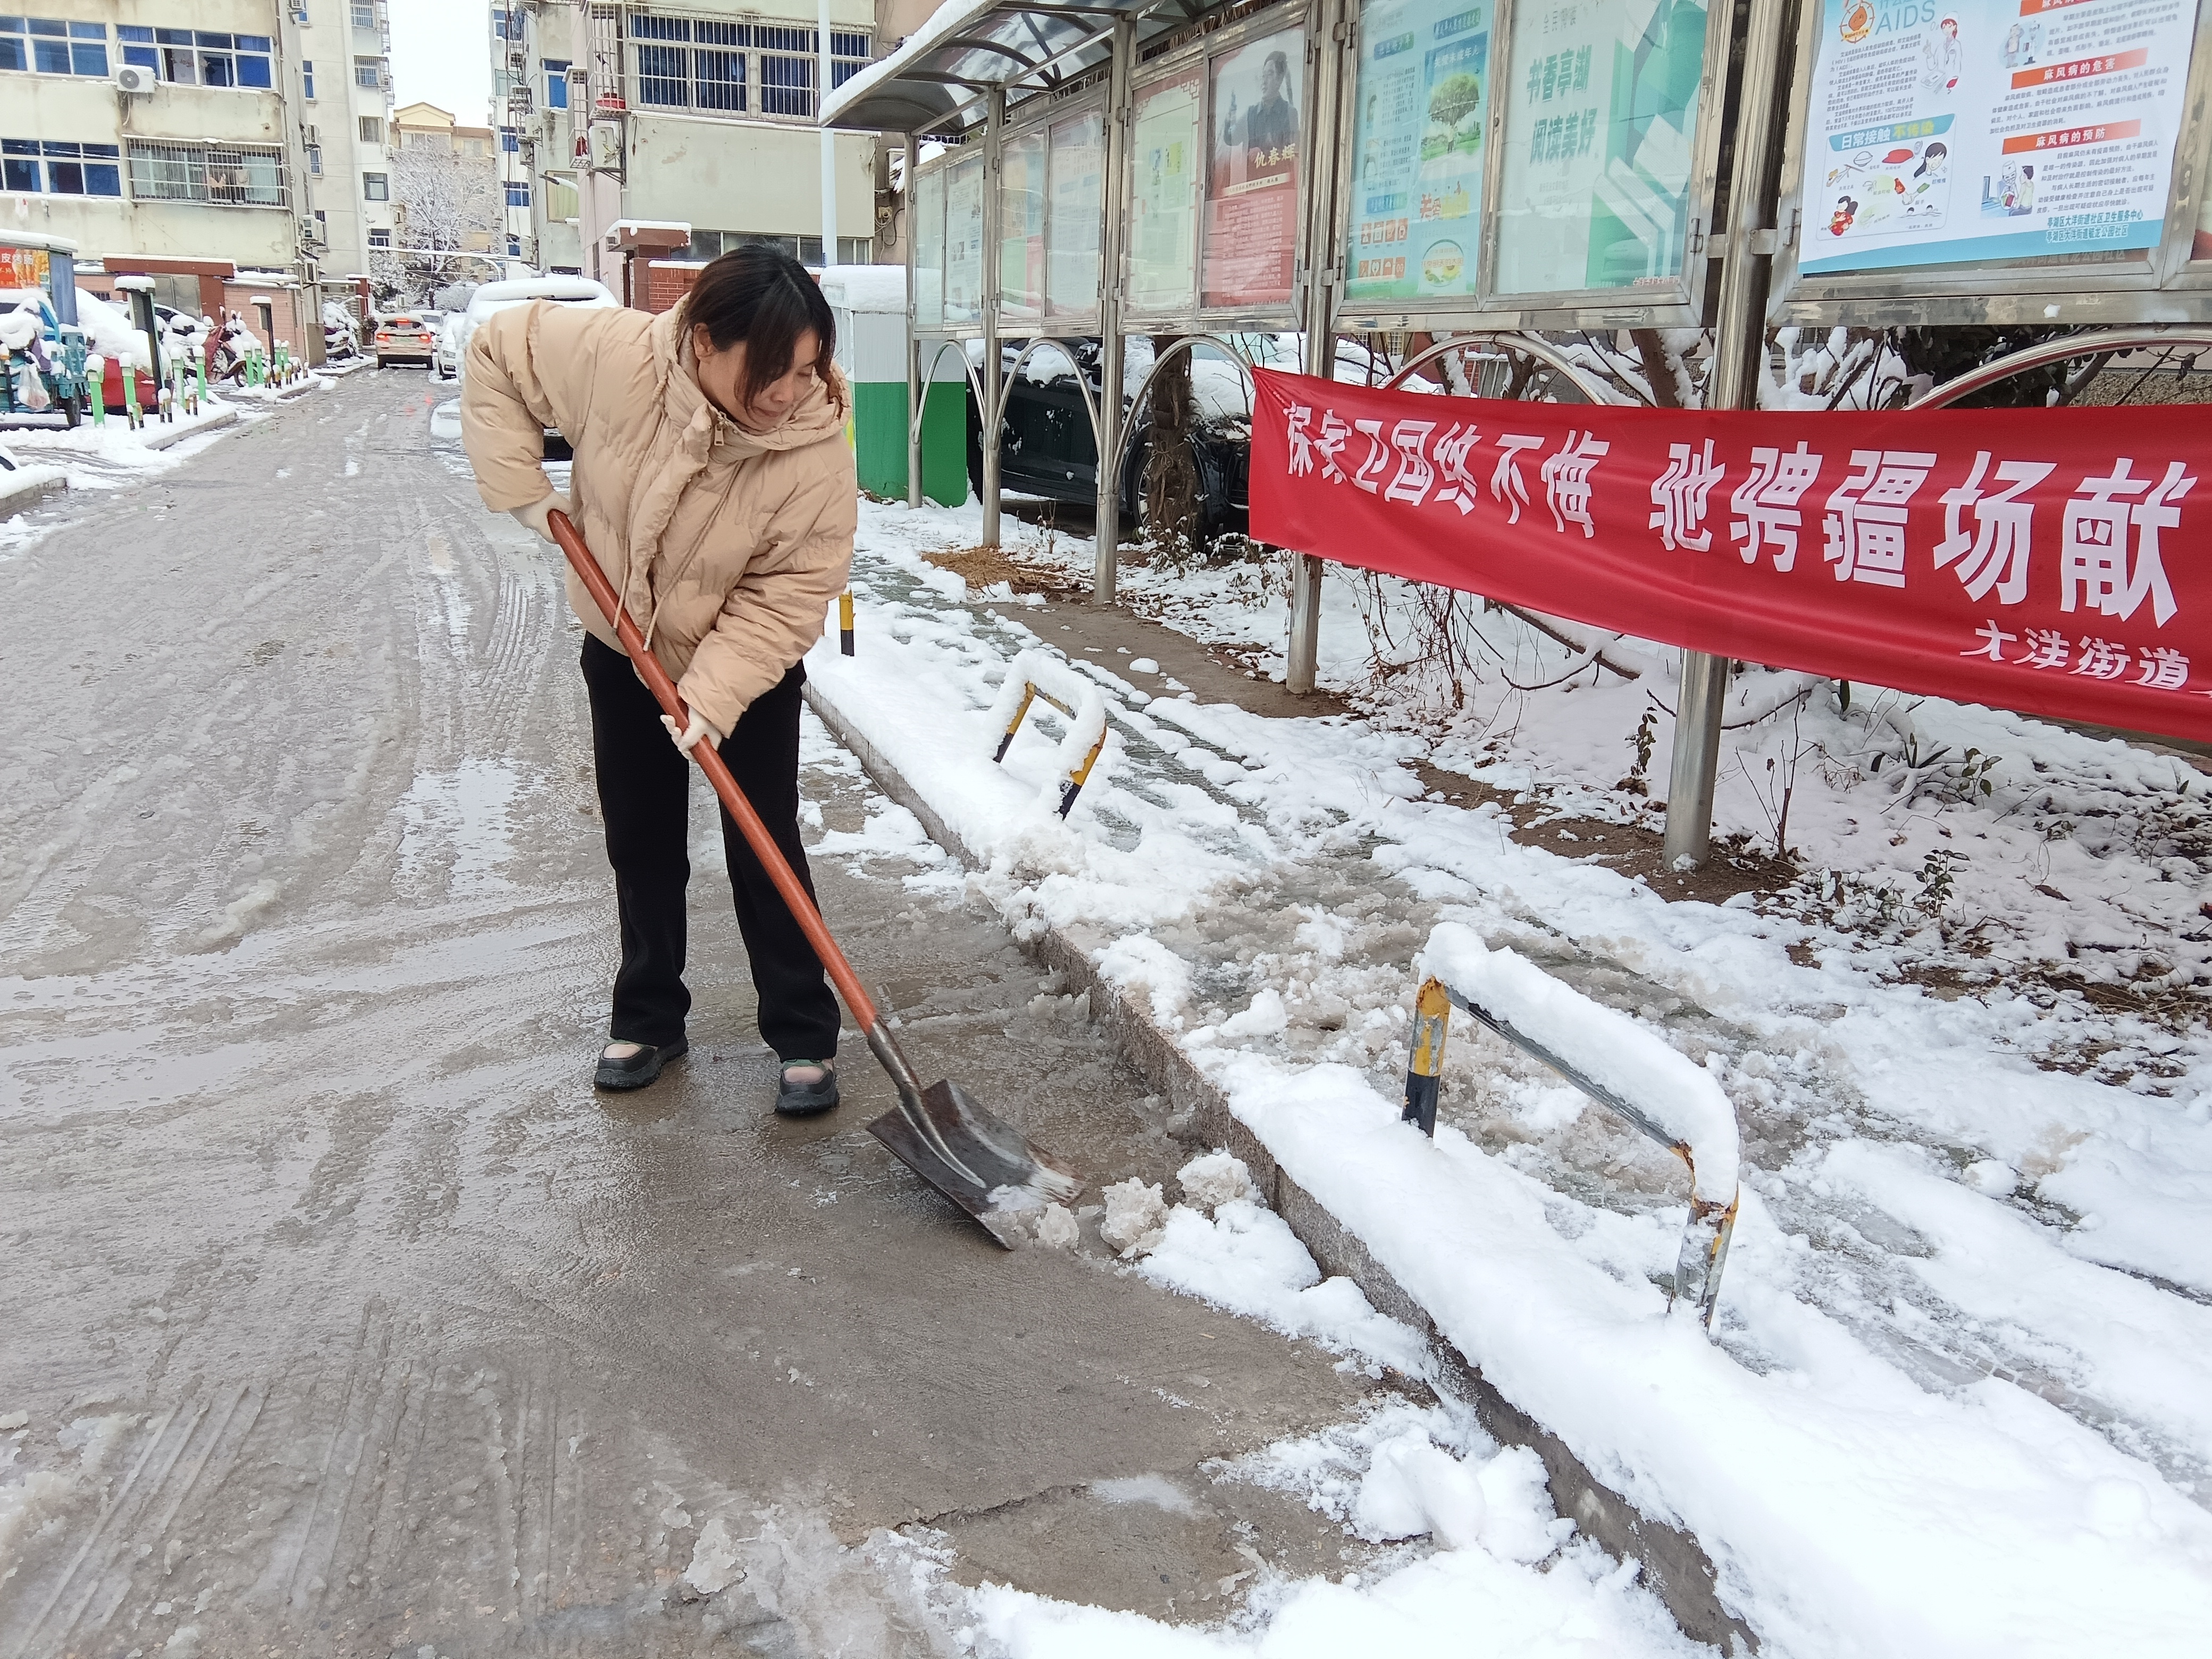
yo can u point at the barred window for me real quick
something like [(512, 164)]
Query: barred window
[(787, 71), (685, 63), (234, 175), (714, 66)]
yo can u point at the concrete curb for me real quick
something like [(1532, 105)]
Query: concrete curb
[(215, 422), (1675, 1566), (21, 495)]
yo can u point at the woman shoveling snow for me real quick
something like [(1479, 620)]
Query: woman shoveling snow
[(713, 484)]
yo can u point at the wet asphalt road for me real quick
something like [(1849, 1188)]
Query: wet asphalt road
[(340, 1315)]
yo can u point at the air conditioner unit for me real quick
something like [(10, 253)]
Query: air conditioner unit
[(134, 80), (518, 63), (606, 147)]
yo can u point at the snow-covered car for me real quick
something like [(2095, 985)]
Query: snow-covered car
[(445, 360), (494, 297)]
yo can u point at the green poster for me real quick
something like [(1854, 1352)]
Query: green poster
[(1601, 127)]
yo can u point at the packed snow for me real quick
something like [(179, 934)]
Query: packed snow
[(1956, 1404)]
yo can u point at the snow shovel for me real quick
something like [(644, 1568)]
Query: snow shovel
[(975, 1158)]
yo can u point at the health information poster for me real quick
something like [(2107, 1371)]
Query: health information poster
[(1968, 132), (1417, 129), (1600, 130), (1077, 171), (1164, 195), (963, 243), (1021, 227)]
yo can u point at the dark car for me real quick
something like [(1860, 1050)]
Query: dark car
[(1046, 448)]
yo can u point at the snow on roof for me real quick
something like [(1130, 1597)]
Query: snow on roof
[(865, 288), (621, 225)]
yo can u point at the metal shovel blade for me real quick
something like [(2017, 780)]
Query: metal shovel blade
[(1005, 1183)]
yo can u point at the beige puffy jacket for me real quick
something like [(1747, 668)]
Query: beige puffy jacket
[(725, 545)]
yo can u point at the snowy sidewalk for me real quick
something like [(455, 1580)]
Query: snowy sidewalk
[(1939, 1420)]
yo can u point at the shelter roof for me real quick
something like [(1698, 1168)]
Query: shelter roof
[(969, 46)]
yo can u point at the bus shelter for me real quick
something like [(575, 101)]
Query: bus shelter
[(1488, 174)]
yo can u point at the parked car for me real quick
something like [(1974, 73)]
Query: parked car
[(1046, 447), (402, 338), (445, 360), (494, 297)]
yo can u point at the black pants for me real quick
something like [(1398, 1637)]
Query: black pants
[(644, 794)]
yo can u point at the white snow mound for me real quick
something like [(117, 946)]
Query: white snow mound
[(1136, 1217), (715, 1566), (1214, 1180), (1414, 1487)]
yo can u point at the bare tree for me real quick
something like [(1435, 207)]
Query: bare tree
[(445, 200)]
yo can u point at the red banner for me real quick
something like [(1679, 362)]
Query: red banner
[(2028, 559)]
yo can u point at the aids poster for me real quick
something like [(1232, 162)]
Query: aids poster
[(1252, 171), (1164, 194), (1970, 132)]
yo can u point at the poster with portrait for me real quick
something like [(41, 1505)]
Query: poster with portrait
[(1254, 130), (1075, 167), (1419, 120), (1966, 131), (929, 250), (1601, 103), (963, 243), (1021, 227), (1164, 194)]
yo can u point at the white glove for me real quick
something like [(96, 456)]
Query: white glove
[(691, 734), (534, 515)]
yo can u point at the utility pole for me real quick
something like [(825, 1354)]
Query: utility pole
[(1739, 346), (829, 138)]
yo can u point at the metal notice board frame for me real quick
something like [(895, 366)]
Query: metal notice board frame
[(1676, 302)]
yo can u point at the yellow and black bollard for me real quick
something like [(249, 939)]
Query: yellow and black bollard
[(1431, 1018), (845, 622)]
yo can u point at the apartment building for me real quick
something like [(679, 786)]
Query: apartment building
[(197, 128), (700, 114)]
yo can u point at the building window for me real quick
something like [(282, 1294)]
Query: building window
[(369, 71), (364, 14), (787, 71), (48, 45), (137, 45), (375, 187), (50, 169), (690, 63), (307, 77), (499, 23), (556, 82), (380, 239), (235, 175), (848, 56), (510, 141), (513, 246), (315, 160), (518, 192), (194, 58), (372, 129)]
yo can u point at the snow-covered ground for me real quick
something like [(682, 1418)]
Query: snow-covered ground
[(1961, 1397)]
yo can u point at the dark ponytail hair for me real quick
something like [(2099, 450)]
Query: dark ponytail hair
[(760, 295)]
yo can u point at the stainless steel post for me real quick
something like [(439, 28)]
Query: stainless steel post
[(917, 389), (994, 376), (1739, 343), (1326, 26), (822, 60), (1105, 565)]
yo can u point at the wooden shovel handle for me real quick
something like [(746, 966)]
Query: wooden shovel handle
[(718, 774)]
